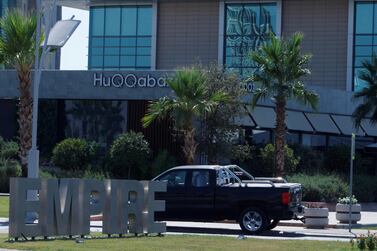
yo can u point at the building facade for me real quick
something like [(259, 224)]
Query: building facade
[(134, 45)]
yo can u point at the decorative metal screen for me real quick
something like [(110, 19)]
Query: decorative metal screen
[(247, 26)]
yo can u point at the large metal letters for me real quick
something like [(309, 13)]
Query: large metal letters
[(65, 206)]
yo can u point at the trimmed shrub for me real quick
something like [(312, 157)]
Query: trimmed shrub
[(8, 168), (268, 159), (8, 149), (162, 162), (324, 188), (129, 154), (74, 154)]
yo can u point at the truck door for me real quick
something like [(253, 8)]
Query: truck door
[(175, 196), (200, 194)]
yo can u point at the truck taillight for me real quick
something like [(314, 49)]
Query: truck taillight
[(285, 198)]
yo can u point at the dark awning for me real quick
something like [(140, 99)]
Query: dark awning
[(322, 123), (263, 116), (298, 122), (346, 125)]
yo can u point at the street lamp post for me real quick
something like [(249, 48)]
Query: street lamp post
[(55, 38)]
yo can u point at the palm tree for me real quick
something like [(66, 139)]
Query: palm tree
[(190, 102), (17, 49), (368, 93), (280, 69)]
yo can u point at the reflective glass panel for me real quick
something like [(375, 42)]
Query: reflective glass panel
[(144, 20), (129, 24), (112, 21), (248, 26), (364, 18), (97, 21), (365, 40)]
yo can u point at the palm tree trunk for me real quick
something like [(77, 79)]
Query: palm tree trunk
[(280, 137), (190, 145), (25, 113)]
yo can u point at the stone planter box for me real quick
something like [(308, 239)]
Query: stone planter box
[(342, 213), (316, 217)]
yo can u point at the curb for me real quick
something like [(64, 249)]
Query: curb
[(336, 226)]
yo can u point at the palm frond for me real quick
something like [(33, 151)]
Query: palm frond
[(157, 110), (17, 43)]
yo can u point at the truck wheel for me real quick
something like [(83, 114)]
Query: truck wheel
[(272, 224), (253, 220)]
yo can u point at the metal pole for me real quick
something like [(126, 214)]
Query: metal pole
[(351, 181), (33, 161), (34, 153)]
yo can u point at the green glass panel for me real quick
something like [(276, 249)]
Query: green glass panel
[(143, 61), (97, 42), (112, 21), (96, 61), (97, 21), (363, 40), (144, 41), (96, 50), (144, 21), (129, 41), (363, 50), (364, 18), (127, 61), (129, 19), (128, 51), (111, 50), (112, 41), (111, 61), (144, 51)]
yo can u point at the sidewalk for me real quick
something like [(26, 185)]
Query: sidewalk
[(368, 219)]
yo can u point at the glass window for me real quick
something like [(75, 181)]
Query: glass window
[(200, 178), (122, 35), (248, 26), (111, 61), (144, 20), (365, 39), (112, 21), (129, 26), (364, 18), (175, 178), (261, 137), (96, 61), (97, 21), (127, 61)]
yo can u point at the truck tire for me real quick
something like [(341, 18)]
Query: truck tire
[(253, 220), (272, 224)]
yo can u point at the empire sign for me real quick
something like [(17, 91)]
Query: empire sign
[(64, 206)]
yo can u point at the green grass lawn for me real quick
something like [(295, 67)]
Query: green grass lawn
[(175, 242), (4, 206)]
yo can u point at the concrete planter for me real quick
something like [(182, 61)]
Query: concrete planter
[(342, 213), (316, 217)]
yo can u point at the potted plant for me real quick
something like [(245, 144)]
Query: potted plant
[(316, 216), (343, 208)]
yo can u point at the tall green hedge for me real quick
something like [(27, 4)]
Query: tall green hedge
[(325, 188)]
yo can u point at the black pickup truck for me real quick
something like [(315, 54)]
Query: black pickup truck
[(214, 193)]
